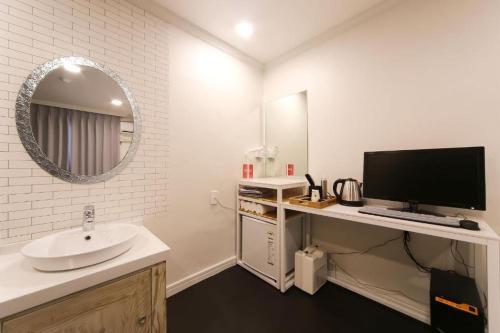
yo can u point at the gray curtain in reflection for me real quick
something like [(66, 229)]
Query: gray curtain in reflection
[(83, 143)]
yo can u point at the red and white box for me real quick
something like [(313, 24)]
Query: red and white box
[(247, 171), (290, 169)]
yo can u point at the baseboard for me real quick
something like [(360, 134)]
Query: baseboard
[(396, 302), (205, 273)]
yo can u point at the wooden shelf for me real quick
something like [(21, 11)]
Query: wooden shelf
[(270, 217), (264, 201)]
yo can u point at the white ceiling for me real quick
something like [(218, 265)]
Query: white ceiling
[(280, 25), (90, 90)]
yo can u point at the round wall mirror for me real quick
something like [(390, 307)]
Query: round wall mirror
[(77, 120)]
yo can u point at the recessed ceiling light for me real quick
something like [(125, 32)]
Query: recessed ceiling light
[(116, 102), (72, 68), (244, 29)]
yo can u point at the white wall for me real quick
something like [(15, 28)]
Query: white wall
[(200, 114), (423, 74), (429, 65), (130, 42), (214, 118)]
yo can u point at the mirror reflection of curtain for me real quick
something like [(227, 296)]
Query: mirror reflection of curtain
[(84, 143)]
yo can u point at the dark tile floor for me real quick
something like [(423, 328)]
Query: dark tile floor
[(237, 301)]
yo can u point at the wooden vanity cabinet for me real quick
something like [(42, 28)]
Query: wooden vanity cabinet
[(133, 303)]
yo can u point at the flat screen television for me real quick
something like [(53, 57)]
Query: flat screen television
[(451, 177)]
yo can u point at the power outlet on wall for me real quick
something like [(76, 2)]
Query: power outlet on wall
[(214, 196)]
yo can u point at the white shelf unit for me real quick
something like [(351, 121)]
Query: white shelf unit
[(282, 188)]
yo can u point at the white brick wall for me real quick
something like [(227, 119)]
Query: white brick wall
[(129, 41)]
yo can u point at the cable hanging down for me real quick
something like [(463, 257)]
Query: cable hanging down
[(406, 236), (456, 252), (406, 245), (225, 207), (370, 248)]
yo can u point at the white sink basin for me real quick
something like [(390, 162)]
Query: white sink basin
[(75, 248)]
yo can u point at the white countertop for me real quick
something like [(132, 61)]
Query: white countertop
[(274, 182), (351, 214), (22, 287)]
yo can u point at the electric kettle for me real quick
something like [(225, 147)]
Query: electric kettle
[(350, 192)]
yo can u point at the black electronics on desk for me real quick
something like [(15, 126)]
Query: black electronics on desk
[(455, 303), (451, 177)]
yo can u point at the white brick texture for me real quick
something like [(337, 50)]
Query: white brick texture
[(128, 40)]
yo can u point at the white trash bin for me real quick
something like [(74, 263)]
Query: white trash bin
[(310, 269)]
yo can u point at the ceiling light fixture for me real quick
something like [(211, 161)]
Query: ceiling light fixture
[(72, 68), (244, 29), (116, 102)]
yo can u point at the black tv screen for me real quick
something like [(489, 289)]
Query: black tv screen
[(452, 177)]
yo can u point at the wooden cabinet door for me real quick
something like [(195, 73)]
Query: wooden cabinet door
[(121, 306)]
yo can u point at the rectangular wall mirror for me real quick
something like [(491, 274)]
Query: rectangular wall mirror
[(285, 134)]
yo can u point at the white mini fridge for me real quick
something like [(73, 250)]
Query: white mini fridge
[(259, 245)]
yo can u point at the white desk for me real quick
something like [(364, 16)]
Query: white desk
[(486, 236)]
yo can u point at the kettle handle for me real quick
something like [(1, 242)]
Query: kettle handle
[(335, 186)]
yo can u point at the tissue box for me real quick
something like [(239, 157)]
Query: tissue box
[(310, 269)]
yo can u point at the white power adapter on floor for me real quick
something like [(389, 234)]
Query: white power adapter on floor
[(310, 269)]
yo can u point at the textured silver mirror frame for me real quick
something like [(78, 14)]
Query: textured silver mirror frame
[(23, 121)]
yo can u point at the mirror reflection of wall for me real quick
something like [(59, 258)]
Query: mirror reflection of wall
[(286, 129), (82, 120)]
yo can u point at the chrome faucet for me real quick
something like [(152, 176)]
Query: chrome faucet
[(88, 218)]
